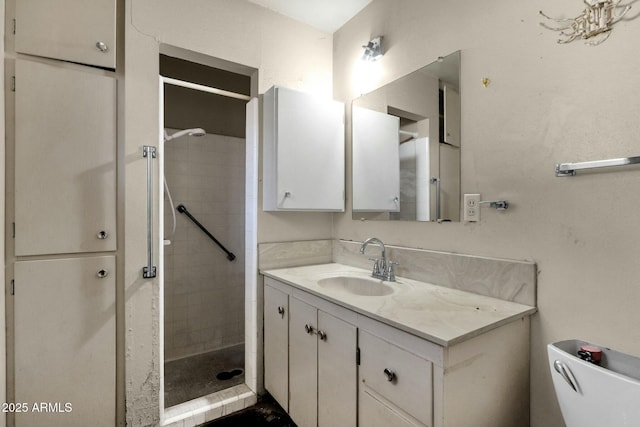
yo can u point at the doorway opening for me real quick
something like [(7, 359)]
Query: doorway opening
[(203, 152)]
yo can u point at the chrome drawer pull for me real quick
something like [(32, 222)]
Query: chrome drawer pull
[(389, 374)]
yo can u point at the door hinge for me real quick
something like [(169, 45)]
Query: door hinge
[(13, 83), (14, 26), (358, 356), (13, 287), (13, 230)]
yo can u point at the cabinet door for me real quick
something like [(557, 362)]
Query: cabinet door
[(65, 341), (303, 362), (65, 189), (337, 377), (72, 30), (376, 161), (276, 345), (303, 152)]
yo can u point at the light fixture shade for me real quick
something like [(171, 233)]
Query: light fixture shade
[(373, 49)]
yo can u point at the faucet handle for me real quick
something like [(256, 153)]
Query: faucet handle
[(389, 272), (376, 266)]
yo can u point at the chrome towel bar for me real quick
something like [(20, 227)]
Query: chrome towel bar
[(569, 169)]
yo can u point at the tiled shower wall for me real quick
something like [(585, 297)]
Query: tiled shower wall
[(204, 291)]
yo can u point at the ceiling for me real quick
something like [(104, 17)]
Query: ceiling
[(326, 15)]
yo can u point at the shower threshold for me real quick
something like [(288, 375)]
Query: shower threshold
[(211, 407), (205, 387)]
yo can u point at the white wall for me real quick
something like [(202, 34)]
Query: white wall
[(284, 52), (546, 104)]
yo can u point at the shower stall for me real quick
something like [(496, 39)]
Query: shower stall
[(203, 233)]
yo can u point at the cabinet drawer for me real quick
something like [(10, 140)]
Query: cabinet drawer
[(411, 384)]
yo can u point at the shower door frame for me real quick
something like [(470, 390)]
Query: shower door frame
[(251, 319)]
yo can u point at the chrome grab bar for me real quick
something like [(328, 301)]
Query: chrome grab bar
[(564, 370), (149, 271)]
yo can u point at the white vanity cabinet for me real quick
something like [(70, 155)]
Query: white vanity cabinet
[(322, 371), (71, 30), (401, 378), (303, 148)]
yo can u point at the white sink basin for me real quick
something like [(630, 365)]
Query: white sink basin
[(362, 286)]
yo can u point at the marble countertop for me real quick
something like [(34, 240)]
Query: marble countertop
[(441, 315)]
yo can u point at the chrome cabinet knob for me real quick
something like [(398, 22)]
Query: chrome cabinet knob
[(102, 273), (102, 47), (308, 329), (389, 374), (102, 235), (281, 311), (322, 335)]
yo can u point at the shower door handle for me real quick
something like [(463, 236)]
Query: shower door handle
[(149, 271)]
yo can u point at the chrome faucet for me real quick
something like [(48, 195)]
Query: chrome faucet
[(382, 269)]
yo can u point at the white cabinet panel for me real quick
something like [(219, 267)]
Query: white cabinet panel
[(303, 152), (303, 359), (376, 161), (71, 30), (399, 377), (65, 162), (337, 374), (65, 340), (276, 345)]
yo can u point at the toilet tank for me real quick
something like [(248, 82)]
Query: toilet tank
[(595, 396)]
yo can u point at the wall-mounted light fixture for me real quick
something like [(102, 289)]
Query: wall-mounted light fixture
[(373, 49)]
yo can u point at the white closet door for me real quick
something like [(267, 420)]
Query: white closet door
[(65, 338), (71, 30), (65, 174)]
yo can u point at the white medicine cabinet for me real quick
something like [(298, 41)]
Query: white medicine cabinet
[(303, 152)]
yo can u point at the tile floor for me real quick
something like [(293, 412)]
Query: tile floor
[(196, 376), (265, 413)]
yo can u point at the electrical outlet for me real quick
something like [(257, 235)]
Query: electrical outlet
[(471, 207)]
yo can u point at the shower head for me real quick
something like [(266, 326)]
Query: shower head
[(190, 132)]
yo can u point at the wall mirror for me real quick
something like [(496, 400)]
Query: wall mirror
[(406, 147)]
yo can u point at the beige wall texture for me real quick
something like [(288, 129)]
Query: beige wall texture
[(284, 52), (546, 103)]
